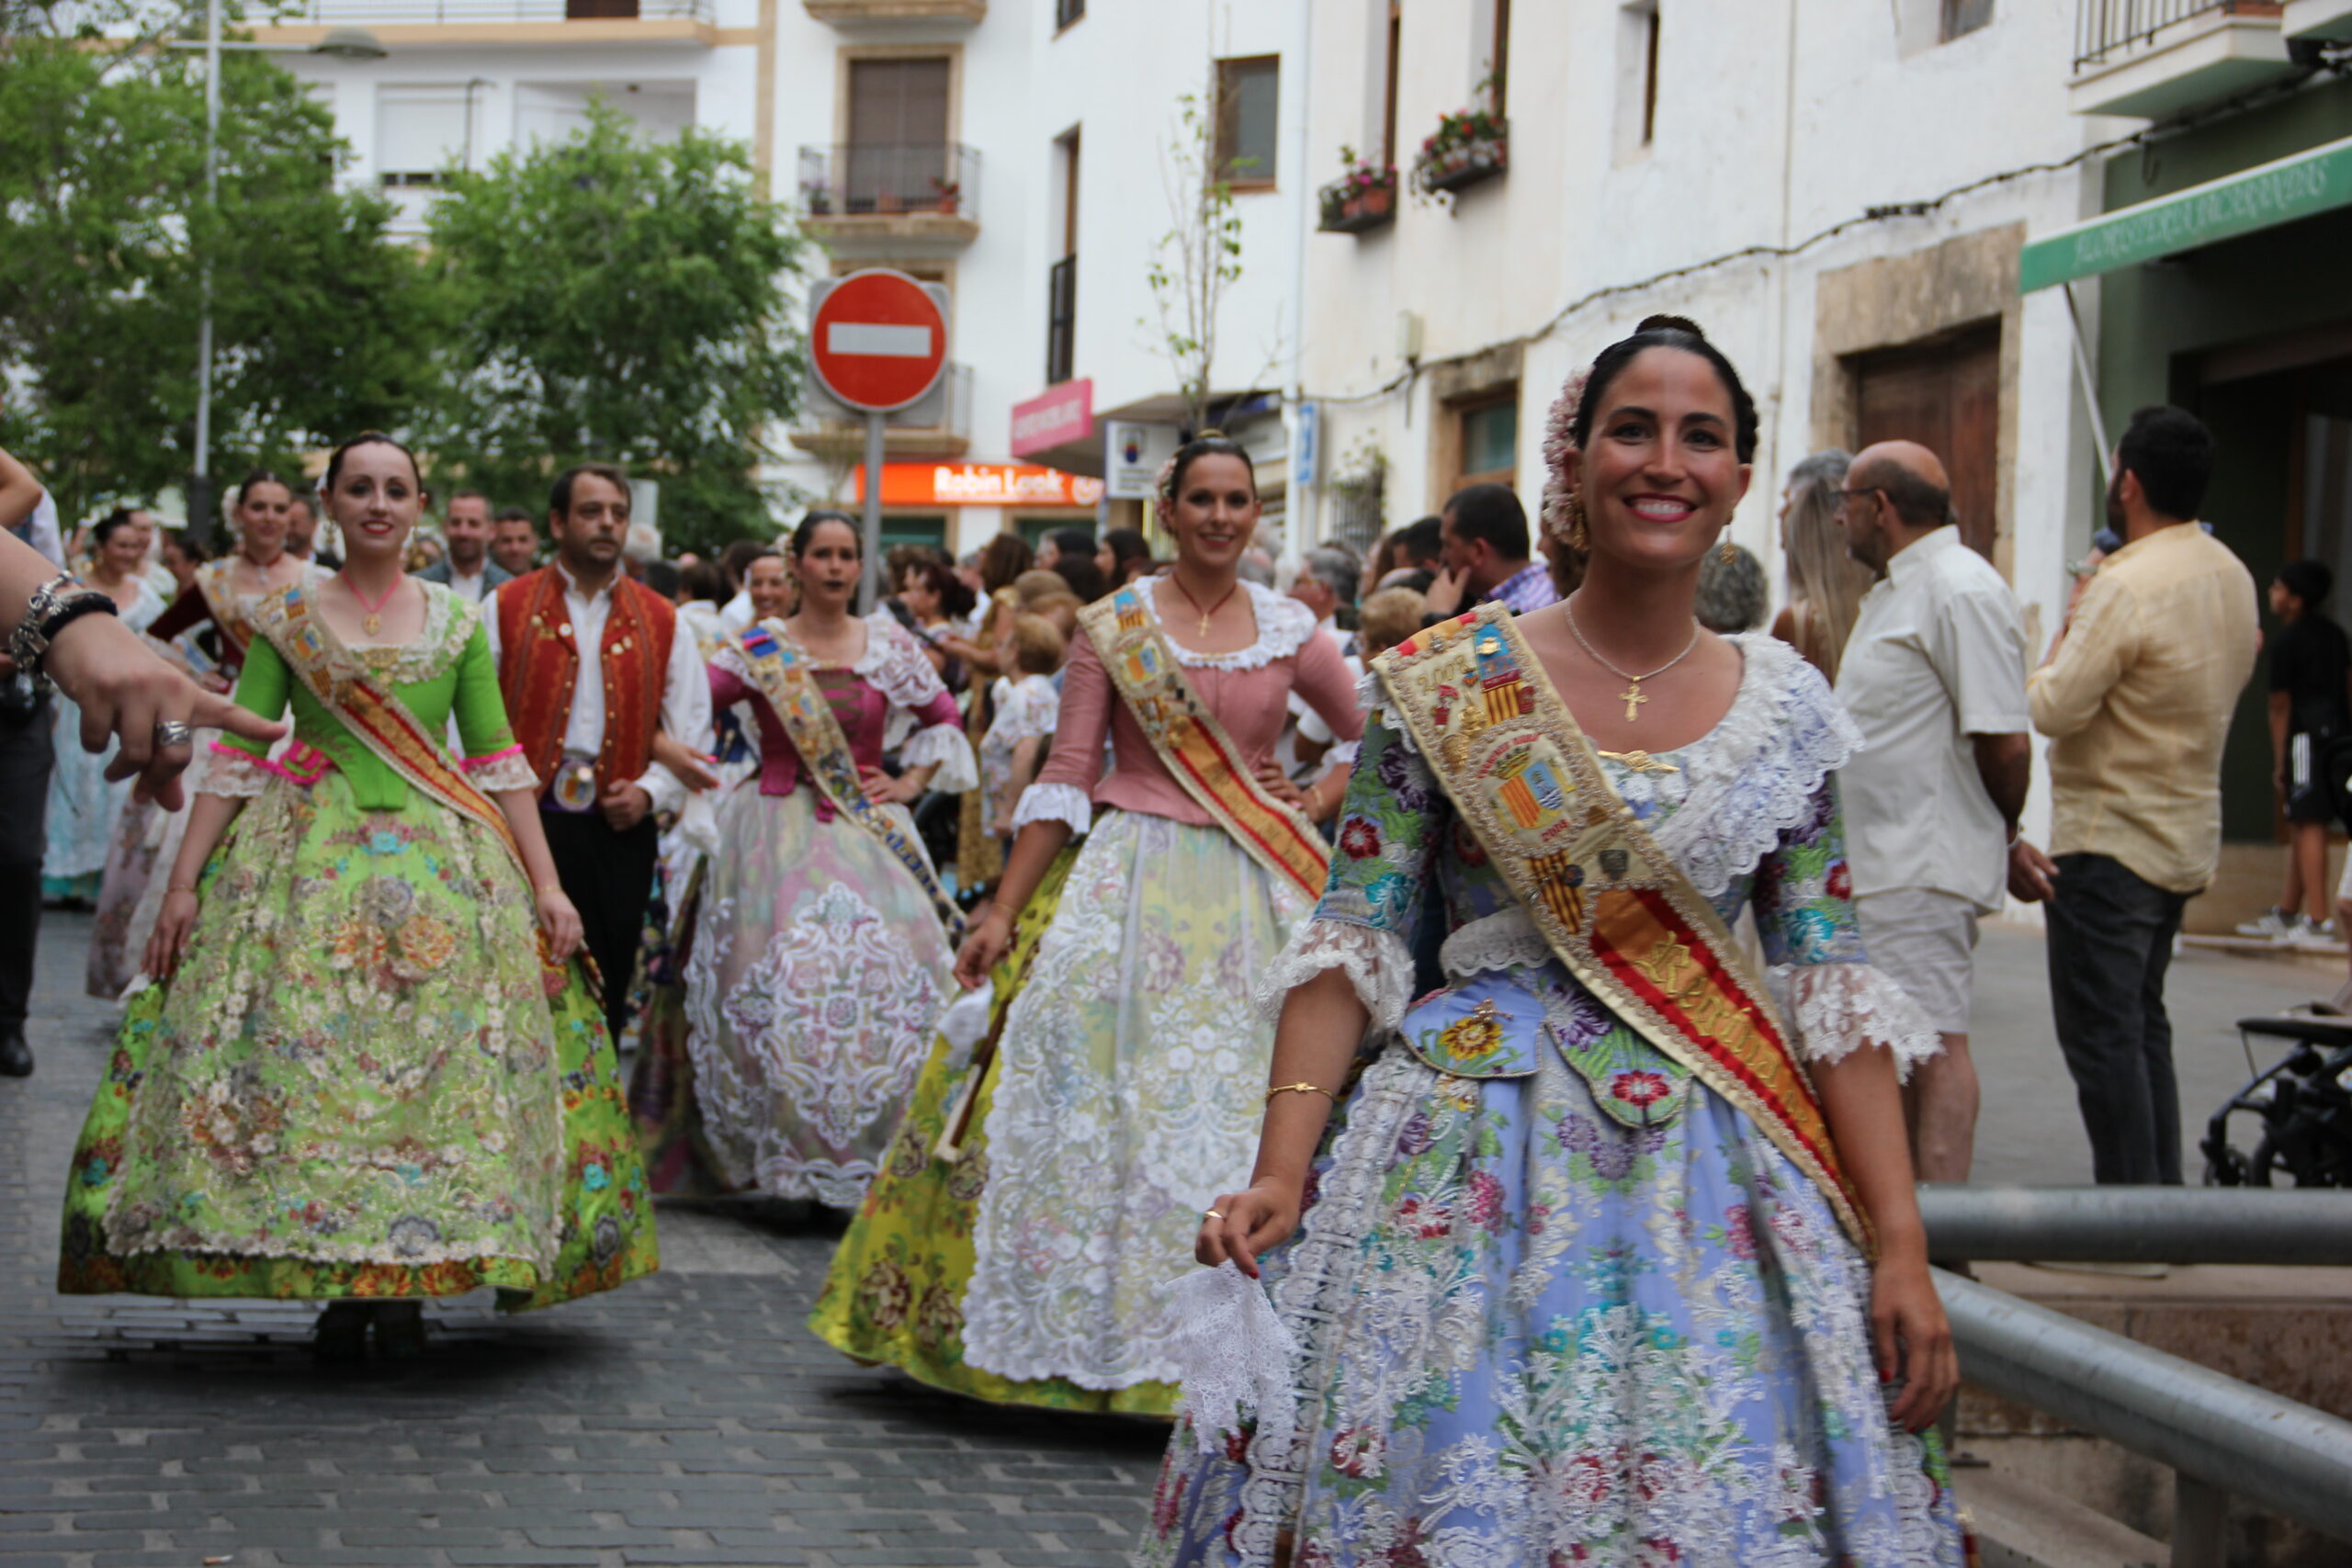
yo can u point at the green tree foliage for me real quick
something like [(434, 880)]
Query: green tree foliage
[(622, 301), (320, 325)]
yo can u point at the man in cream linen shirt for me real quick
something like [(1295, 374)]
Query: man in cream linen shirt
[(2136, 697), (1934, 672)]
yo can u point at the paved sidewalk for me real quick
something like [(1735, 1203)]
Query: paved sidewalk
[(690, 1419)]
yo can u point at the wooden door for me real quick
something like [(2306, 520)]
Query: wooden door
[(1947, 396)]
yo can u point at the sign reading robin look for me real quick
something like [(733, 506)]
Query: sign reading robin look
[(877, 340)]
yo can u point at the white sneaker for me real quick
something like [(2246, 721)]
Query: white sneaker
[(2310, 933), (2272, 925)]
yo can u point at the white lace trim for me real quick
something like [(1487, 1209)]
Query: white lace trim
[(1283, 627), (1371, 696), (1836, 1006), (509, 771), (228, 771), (1505, 940), (945, 745), (1378, 965), (1053, 803), (1237, 1356)]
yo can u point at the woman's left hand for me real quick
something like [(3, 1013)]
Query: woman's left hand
[(1278, 784), (1910, 1337), (883, 790), (560, 921)]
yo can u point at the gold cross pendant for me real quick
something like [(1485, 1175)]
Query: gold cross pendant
[(1205, 625), (1633, 698)]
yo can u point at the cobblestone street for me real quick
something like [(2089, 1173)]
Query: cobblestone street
[(691, 1419)]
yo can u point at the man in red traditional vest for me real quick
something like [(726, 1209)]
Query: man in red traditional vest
[(588, 724)]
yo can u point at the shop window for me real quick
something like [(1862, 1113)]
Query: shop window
[(1487, 432), (1248, 99), (930, 532), (1963, 17), (1947, 396)]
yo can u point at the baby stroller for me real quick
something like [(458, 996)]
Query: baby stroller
[(2302, 1104)]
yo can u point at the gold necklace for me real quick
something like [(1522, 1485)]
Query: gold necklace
[(1631, 695), (1195, 603)]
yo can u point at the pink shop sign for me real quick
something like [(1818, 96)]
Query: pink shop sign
[(1062, 414)]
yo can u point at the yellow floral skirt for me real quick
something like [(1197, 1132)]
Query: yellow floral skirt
[(362, 1081)]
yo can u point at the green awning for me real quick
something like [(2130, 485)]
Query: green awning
[(2252, 199)]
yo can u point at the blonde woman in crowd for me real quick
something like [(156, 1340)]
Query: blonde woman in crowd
[(1825, 583)]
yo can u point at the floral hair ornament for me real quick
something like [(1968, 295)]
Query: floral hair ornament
[(1562, 509)]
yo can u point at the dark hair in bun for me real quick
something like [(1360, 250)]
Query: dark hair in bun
[(1676, 333)]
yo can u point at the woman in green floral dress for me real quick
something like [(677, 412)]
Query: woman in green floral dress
[(369, 1070)]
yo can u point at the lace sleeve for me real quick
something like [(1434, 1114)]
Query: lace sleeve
[(945, 745), (1836, 1006), (1378, 965), (509, 769), (1053, 803), (230, 770)]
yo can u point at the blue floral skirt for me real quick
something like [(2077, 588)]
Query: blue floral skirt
[(1535, 1334)]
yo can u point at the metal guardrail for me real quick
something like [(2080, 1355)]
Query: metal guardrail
[(2107, 30), (439, 12), (2140, 1224), (867, 179), (2220, 1435)]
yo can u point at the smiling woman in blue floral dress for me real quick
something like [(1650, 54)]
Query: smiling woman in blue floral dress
[(1610, 1254), (367, 1075)]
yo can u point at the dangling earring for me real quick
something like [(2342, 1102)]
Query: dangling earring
[(1729, 551), (1577, 531)]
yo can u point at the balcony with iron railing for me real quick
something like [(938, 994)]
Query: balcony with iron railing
[(1061, 320), (446, 13), (865, 13), (929, 190), (2153, 59)]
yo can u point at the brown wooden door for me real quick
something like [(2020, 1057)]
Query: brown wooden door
[(1947, 396), (898, 158)]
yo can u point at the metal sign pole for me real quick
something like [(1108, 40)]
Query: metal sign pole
[(875, 427)]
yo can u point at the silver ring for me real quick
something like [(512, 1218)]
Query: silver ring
[(172, 732)]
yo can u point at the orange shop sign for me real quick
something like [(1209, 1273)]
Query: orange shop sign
[(979, 484)]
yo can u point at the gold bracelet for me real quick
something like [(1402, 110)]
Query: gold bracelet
[(544, 888), (1301, 1088), (175, 887)]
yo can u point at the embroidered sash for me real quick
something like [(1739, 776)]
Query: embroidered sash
[(786, 677), (1193, 746), (1614, 907)]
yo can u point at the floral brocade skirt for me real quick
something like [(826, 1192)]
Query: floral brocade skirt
[(362, 1081), (894, 1293), (1130, 1086), (1533, 1334), (817, 976)]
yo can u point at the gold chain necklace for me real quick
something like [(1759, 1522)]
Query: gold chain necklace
[(1631, 695)]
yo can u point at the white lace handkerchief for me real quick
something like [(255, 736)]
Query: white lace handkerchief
[(966, 1023), (1236, 1356)]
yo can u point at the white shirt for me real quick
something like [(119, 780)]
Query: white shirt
[(1937, 655), (686, 689), (40, 532), (469, 589), (736, 614)]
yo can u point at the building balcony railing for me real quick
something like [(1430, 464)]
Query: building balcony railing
[(930, 189), (1061, 320), (939, 426), (862, 13), (2153, 59), (442, 13)]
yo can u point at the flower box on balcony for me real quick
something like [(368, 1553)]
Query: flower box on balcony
[(1468, 147), (1362, 199)]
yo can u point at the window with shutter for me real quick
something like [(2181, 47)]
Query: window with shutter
[(898, 154)]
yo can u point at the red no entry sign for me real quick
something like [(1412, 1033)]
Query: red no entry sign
[(878, 340)]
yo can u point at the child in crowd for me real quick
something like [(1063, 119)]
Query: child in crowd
[(1028, 705)]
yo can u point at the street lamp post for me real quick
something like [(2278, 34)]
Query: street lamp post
[(344, 43)]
